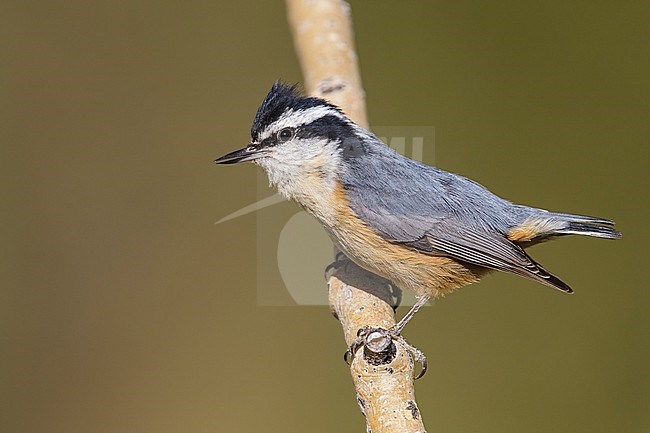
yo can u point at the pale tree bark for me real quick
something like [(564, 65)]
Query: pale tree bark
[(383, 370)]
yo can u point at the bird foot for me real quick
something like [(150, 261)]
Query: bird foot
[(379, 341)]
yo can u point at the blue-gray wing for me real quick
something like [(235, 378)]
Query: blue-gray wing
[(439, 213)]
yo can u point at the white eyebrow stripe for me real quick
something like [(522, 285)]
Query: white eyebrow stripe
[(291, 118)]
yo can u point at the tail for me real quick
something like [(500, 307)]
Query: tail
[(540, 225), (585, 225)]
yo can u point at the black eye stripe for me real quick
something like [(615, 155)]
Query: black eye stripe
[(267, 142), (328, 126)]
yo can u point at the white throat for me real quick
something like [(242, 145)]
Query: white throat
[(305, 171)]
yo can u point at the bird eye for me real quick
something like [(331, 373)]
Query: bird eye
[(285, 134)]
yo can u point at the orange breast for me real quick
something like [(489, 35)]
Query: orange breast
[(407, 268)]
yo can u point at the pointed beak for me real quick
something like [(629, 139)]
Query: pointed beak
[(246, 154)]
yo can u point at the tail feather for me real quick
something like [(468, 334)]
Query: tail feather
[(543, 225), (582, 218), (588, 229), (586, 226)]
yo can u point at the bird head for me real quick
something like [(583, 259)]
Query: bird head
[(294, 136)]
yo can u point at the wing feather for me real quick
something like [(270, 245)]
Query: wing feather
[(489, 250), (438, 213)]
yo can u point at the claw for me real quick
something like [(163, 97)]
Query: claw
[(362, 332), (423, 370), (349, 354), (418, 355)]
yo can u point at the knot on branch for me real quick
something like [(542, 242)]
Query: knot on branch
[(379, 348)]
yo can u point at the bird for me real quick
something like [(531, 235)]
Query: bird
[(420, 227)]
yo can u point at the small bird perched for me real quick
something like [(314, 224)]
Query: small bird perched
[(420, 227)]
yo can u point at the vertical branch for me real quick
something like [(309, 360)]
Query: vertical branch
[(322, 33)]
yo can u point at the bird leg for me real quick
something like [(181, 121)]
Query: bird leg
[(419, 302)]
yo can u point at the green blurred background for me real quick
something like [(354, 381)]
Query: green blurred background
[(123, 308)]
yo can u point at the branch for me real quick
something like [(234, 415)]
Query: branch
[(383, 372)]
